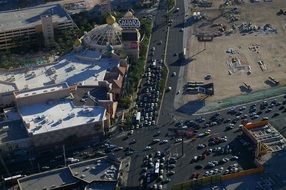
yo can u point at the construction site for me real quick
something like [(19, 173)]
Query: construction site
[(239, 46)]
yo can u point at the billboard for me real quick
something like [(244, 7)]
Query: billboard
[(133, 45), (129, 23)]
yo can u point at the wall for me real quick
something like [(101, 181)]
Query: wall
[(57, 136), (42, 97)]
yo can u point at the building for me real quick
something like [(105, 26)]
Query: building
[(121, 38), (267, 140), (99, 173), (48, 30), (123, 5), (23, 26)]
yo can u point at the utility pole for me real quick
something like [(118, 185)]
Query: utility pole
[(4, 165), (183, 145), (64, 154)]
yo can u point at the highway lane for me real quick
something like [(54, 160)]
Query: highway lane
[(175, 45), (144, 136)]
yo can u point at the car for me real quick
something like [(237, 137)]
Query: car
[(182, 30), (178, 140), (171, 172), (174, 74), (171, 166), (234, 158), (147, 148), (167, 180), (133, 141), (72, 160), (201, 146), (148, 178), (198, 167), (229, 127), (157, 133), (156, 140), (275, 114), (207, 173), (164, 141), (225, 160)]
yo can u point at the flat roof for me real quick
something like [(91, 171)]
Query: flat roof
[(50, 180), (99, 169), (30, 17), (99, 93), (97, 173), (269, 136), (58, 114), (68, 69), (7, 86), (11, 131)]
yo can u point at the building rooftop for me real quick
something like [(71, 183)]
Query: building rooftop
[(58, 114), (11, 131), (70, 69), (269, 136), (29, 17), (6, 86), (48, 180), (99, 169), (99, 172)]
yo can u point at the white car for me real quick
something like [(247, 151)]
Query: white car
[(178, 140), (72, 160), (148, 148), (164, 141)]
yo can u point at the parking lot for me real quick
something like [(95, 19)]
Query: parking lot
[(211, 58), (213, 144)]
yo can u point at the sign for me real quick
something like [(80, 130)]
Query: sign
[(129, 23), (133, 45)]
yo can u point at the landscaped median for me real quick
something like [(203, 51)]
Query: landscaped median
[(171, 4), (135, 73)]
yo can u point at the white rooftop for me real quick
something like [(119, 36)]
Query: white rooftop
[(57, 115), (69, 69)]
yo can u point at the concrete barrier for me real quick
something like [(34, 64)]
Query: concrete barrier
[(204, 181)]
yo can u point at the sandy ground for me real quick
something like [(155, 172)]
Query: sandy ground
[(212, 59)]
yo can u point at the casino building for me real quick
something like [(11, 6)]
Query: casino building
[(122, 37)]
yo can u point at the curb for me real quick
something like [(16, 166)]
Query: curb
[(165, 65), (209, 112)]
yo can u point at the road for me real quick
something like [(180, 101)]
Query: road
[(175, 45)]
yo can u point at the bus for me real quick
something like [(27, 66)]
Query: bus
[(157, 168), (138, 117)]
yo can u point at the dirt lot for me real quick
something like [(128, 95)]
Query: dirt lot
[(271, 48)]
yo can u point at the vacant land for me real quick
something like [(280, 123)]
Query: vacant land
[(266, 47)]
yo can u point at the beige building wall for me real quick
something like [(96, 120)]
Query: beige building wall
[(43, 97), (58, 136)]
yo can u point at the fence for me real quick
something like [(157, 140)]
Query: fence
[(204, 181)]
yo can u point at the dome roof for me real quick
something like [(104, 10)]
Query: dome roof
[(128, 14), (104, 35), (110, 19), (77, 42)]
